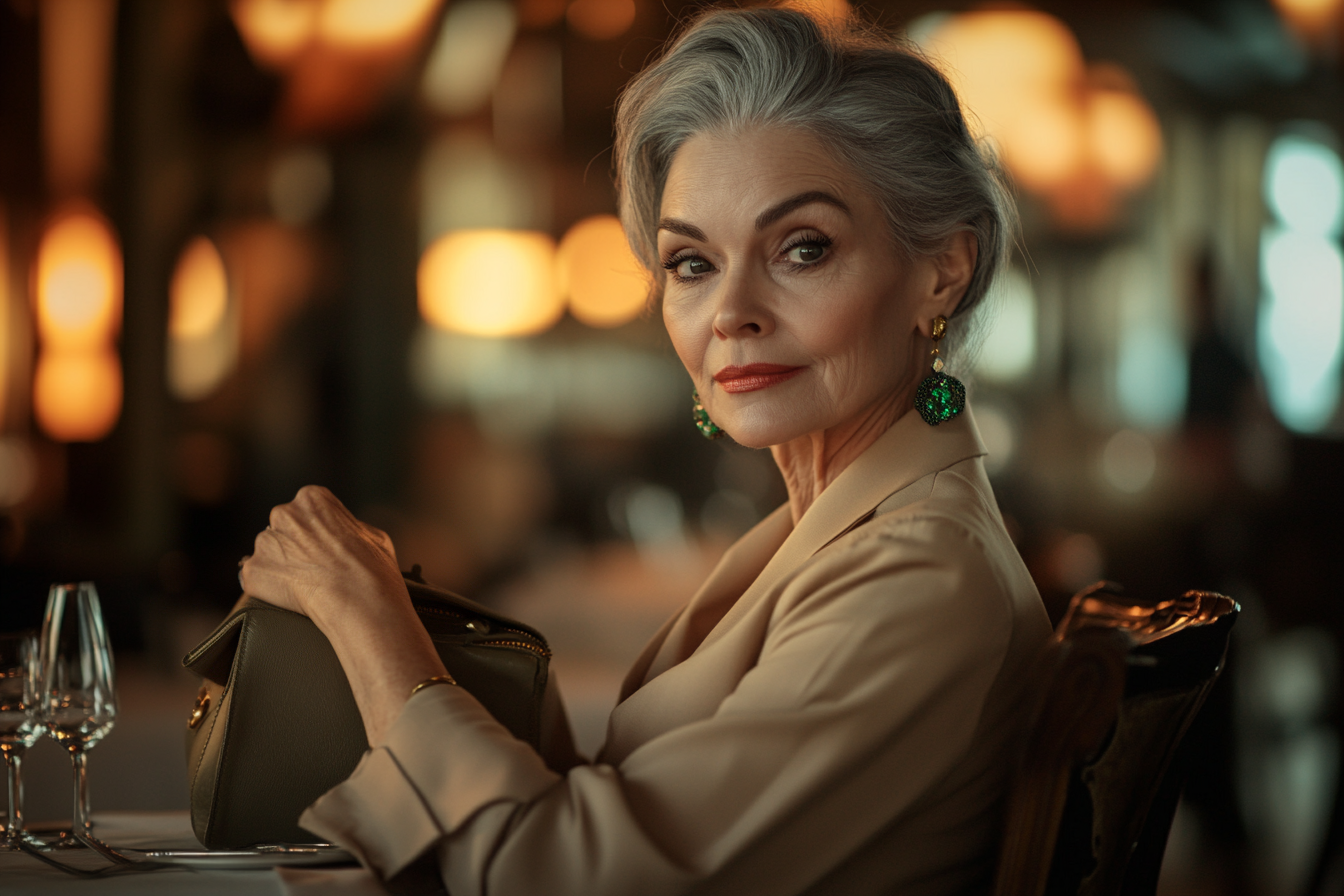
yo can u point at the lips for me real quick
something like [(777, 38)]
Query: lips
[(754, 376)]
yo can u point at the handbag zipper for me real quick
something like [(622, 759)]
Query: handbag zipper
[(524, 640)]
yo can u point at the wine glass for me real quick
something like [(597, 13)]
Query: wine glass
[(20, 721), (79, 704)]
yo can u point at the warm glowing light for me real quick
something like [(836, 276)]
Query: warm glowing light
[(1044, 144), (1125, 138), (490, 283), (203, 334), (1309, 16), (1079, 136), (373, 24), (606, 286), (601, 19), (78, 281), (275, 31), (1001, 60), (199, 292), (77, 394)]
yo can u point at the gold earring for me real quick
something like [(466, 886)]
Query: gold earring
[(940, 397)]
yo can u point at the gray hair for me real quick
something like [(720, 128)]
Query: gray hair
[(883, 109)]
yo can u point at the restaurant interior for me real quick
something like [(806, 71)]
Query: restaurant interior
[(372, 244)]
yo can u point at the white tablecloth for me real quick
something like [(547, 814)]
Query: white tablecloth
[(23, 875)]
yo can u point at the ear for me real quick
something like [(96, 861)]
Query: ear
[(953, 268)]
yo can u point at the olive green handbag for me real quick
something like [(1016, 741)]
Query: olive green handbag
[(275, 724)]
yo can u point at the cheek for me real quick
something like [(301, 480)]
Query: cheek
[(683, 329)]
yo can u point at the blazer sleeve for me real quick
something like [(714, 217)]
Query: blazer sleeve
[(871, 679)]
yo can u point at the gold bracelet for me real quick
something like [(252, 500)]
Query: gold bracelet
[(430, 682)]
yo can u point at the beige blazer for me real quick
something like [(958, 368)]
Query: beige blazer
[(833, 712)]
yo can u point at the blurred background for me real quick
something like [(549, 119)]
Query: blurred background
[(250, 245)]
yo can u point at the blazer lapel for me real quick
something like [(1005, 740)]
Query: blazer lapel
[(905, 453)]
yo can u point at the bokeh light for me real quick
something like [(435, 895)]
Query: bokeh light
[(605, 285), (1310, 17), (78, 281), (490, 283), (1304, 185), (1152, 376), (1302, 308), (1124, 136), (1298, 335), (1077, 135), (202, 323), (77, 394), (365, 25), (1009, 350), (199, 292), (468, 55), (275, 31)]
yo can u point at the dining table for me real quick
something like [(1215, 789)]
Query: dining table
[(184, 871)]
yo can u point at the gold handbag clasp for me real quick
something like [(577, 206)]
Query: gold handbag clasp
[(198, 711)]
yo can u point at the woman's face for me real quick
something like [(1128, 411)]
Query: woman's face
[(785, 297)]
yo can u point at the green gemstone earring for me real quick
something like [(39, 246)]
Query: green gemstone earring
[(708, 428), (939, 397)]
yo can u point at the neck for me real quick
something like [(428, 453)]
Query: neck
[(811, 462)]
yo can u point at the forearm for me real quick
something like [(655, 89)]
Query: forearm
[(385, 651)]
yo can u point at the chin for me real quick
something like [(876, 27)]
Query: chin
[(764, 430)]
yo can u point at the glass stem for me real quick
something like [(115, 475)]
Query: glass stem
[(14, 822), (81, 823)]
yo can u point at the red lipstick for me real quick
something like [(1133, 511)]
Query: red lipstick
[(754, 376)]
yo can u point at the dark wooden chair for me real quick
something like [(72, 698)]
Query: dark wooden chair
[(1092, 802)]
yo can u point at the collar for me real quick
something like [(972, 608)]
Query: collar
[(904, 454)]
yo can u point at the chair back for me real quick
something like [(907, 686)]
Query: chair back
[(1095, 790)]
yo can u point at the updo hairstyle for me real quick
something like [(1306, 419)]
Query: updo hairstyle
[(873, 101)]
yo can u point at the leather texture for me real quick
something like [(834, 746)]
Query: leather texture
[(281, 726)]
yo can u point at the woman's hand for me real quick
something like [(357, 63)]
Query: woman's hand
[(315, 558)]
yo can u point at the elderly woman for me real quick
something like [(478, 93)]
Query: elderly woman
[(835, 710)]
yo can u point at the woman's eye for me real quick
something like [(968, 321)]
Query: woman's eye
[(693, 267), (806, 253)]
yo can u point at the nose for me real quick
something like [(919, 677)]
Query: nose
[(741, 311)]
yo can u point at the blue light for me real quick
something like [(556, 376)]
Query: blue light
[(1304, 185), (1152, 376), (1300, 325), (1300, 331)]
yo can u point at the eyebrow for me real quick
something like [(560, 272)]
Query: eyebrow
[(765, 218), (771, 215)]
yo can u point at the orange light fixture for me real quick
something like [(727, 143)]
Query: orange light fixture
[(78, 281), (77, 393), (605, 285), (490, 283), (199, 292)]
